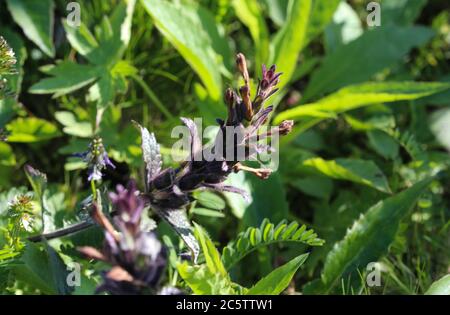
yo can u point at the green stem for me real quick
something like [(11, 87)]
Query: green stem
[(94, 191), (148, 91)]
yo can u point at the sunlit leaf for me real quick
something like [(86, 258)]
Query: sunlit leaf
[(368, 239), (358, 171), (186, 33), (278, 280), (36, 19), (362, 58), (31, 129)]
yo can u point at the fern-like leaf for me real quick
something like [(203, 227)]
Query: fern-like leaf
[(265, 235)]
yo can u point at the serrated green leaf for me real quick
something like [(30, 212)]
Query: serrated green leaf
[(81, 39), (43, 269), (368, 239), (72, 126), (178, 220)]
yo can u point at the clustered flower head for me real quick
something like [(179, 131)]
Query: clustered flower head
[(137, 257), (7, 58), (20, 212), (96, 158), (170, 188)]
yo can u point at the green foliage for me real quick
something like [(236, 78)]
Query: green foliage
[(182, 27), (358, 171), (267, 234), (213, 278), (440, 287), (36, 20), (368, 238), (365, 94), (361, 59), (276, 281)]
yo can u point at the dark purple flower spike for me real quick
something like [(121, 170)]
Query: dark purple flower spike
[(137, 256), (168, 191)]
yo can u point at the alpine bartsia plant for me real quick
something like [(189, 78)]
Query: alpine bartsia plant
[(168, 191), (137, 256)]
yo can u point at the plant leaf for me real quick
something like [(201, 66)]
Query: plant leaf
[(36, 20), (290, 39), (203, 282), (278, 280), (440, 287), (265, 235), (186, 33), (360, 95), (358, 171), (368, 239), (31, 129), (66, 77), (180, 223), (43, 269), (383, 46), (212, 256), (81, 39), (250, 14), (150, 153)]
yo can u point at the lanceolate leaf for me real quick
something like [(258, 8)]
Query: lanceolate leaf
[(368, 239), (359, 60), (36, 19), (321, 14), (358, 171), (291, 39), (360, 95), (278, 280), (212, 256), (250, 13), (185, 32)]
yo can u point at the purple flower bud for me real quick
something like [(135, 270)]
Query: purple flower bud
[(97, 159)]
